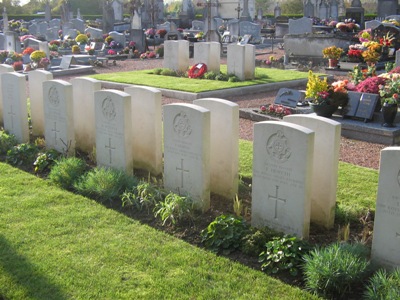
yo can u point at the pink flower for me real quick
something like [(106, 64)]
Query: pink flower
[(263, 108), (396, 96), (271, 108), (279, 109)]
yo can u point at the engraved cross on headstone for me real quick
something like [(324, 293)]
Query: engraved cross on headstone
[(12, 114), (55, 132), (276, 198), (182, 172), (397, 235), (110, 148)]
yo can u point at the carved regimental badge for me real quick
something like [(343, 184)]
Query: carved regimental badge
[(108, 109), (182, 125), (278, 147), (54, 98)]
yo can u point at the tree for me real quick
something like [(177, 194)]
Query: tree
[(267, 6), (292, 7)]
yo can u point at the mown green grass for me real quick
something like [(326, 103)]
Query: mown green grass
[(57, 245), (147, 78)]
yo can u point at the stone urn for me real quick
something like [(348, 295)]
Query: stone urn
[(389, 112)]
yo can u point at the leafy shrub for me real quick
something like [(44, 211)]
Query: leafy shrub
[(160, 51), (75, 49), (67, 171), (174, 208), (383, 285), (7, 141), (283, 254), (233, 78), (332, 271), (145, 195), (22, 154), (254, 242), (222, 77), (157, 71), (44, 161), (168, 72), (225, 234), (210, 75), (105, 184)]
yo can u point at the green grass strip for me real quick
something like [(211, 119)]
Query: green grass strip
[(147, 78), (57, 245)]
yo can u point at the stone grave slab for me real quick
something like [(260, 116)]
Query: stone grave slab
[(249, 28), (36, 79), (325, 165), (288, 97), (83, 90), (386, 240), (94, 33), (282, 176), (67, 61), (351, 108), (146, 128), (78, 25), (15, 111), (118, 37), (300, 26), (58, 116), (367, 105), (187, 152), (176, 55), (224, 156), (3, 69), (114, 130), (208, 53), (372, 24)]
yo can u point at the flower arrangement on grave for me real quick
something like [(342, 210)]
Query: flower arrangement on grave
[(44, 63), (199, 35), (18, 66), (221, 28), (349, 25), (197, 70), (389, 91), (150, 32), (370, 85), (37, 55), (332, 52), (108, 39), (75, 49), (132, 45), (275, 110), (113, 44), (28, 51), (111, 52), (82, 39), (27, 36), (160, 51), (392, 21), (161, 32)]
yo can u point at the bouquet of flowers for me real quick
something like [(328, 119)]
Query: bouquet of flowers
[(389, 91), (332, 52)]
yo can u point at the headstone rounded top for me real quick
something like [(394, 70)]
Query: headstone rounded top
[(356, 3)]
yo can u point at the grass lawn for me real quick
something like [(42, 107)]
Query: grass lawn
[(57, 245), (146, 77)]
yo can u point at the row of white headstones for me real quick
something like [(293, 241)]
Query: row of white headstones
[(295, 162)]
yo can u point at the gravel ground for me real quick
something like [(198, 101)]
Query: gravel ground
[(351, 151)]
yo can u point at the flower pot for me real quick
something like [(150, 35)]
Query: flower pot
[(332, 63), (389, 112), (323, 110)]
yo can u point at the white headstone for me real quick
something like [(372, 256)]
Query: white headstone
[(187, 152), (83, 90), (36, 80), (114, 130), (95, 33), (118, 37), (398, 58), (3, 69), (118, 10), (208, 53), (386, 239), (58, 116), (146, 128), (241, 61), (325, 165), (176, 55), (15, 111), (224, 156), (282, 176), (78, 25)]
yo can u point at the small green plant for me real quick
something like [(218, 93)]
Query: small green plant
[(210, 75), (7, 141), (168, 72), (145, 195), (237, 206), (225, 234), (160, 51), (157, 71), (221, 77), (254, 242), (283, 254), (174, 209), (44, 161), (233, 78), (22, 154), (67, 171), (105, 184), (332, 271), (383, 285)]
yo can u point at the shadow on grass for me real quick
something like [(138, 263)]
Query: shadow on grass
[(26, 275)]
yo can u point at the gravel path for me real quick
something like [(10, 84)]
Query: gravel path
[(351, 151)]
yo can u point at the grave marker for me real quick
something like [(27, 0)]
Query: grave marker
[(15, 112), (58, 116), (113, 130), (187, 152), (176, 55), (282, 177), (3, 69), (386, 240), (146, 128), (241, 61), (36, 80), (288, 97), (300, 26), (325, 165), (224, 156), (209, 54), (83, 90)]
